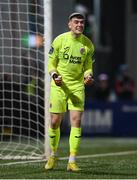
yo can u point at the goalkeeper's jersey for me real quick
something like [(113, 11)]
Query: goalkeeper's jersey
[(71, 58)]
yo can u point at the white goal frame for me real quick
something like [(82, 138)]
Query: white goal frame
[(47, 33)]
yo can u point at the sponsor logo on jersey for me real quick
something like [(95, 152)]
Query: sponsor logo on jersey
[(51, 50), (82, 50), (72, 59), (75, 59), (65, 54)]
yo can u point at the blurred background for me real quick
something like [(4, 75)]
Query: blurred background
[(111, 103)]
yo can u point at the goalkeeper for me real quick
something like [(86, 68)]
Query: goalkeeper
[(70, 66)]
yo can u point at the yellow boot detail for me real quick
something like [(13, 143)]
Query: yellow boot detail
[(73, 167), (51, 163)]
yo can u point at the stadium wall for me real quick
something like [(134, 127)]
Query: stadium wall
[(117, 119)]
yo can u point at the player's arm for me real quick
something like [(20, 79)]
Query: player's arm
[(53, 62), (88, 68)]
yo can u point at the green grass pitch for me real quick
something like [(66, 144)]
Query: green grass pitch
[(99, 158)]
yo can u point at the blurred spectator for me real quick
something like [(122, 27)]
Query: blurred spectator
[(102, 88), (32, 40), (124, 84)]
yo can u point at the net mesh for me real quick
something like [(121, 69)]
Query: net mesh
[(21, 78)]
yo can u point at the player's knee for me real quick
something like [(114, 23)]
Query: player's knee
[(76, 122), (55, 121)]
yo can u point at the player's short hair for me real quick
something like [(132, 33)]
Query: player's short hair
[(76, 14)]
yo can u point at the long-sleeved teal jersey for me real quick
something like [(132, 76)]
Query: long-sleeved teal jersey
[(72, 58)]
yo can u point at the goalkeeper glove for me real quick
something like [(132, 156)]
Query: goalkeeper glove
[(89, 80), (57, 79)]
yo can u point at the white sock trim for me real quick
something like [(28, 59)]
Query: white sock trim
[(72, 159)]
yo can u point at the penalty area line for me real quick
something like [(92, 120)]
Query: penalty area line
[(78, 157)]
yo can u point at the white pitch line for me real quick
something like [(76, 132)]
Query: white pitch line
[(104, 155), (78, 157)]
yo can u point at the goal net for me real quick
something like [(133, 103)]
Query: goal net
[(22, 76)]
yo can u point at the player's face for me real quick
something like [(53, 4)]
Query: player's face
[(76, 26)]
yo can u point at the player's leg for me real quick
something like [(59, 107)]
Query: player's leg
[(74, 139), (54, 135), (57, 107), (76, 106), (54, 132)]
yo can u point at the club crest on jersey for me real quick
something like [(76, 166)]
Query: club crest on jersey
[(82, 50), (51, 50)]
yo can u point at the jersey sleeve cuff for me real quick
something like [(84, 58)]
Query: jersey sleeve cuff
[(52, 73)]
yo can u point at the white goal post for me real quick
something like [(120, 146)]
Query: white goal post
[(25, 37)]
